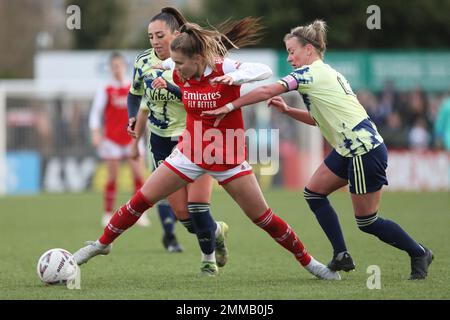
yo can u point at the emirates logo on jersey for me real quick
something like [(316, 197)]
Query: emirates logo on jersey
[(202, 96), (199, 100)]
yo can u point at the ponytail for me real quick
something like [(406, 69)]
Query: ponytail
[(172, 17), (314, 34), (245, 32), (215, 43)]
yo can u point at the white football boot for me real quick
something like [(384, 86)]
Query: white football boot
[(321, 271), (92, 249)]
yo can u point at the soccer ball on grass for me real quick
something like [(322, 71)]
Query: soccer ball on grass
[(56, 266)]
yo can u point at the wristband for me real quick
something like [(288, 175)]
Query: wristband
[(230, 106)]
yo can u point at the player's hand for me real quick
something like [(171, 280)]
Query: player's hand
[(222, 80), (130, 127), (219, 113), (96, 139), (134, 150), (159, 83), (278, 103)]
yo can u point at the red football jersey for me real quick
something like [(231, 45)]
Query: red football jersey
[(215, 149), (115, 115)]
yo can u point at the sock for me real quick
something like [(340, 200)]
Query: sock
[(282, 233), (187, 223), (209, 257), (391, 233), (218, 229), (138, 184), (109, 196), (167, 217), (125, 217), (204, 225), (327, 218)]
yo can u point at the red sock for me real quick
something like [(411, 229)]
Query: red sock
[(125, 217), (284, 235), (138, 182), (109, 196)]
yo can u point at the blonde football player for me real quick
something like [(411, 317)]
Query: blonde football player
[(359, 156)]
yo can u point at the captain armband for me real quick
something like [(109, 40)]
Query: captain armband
[(289, 82)]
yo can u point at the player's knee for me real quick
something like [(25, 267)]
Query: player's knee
[(180, 211), (315, 200), (367, 223)]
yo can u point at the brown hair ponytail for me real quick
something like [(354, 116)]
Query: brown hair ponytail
[(172, 17), (214, 43), (245, 32)]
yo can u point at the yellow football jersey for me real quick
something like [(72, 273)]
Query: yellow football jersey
[(330, 100)]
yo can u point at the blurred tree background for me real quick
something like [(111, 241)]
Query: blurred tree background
[(404, 23), (103, 24), (27, 26)]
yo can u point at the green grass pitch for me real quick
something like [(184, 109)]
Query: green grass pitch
[(258, 268)]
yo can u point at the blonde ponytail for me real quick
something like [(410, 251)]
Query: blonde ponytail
[(314, 34)]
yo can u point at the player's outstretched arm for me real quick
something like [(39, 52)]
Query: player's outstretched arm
[(259, 94), (297, 114), (236, 73)]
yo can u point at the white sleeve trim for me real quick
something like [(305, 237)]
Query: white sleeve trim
[(168, 64), (98, 106), (246, 72)]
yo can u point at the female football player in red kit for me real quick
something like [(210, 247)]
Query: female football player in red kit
[(198, 57), (107, 118)]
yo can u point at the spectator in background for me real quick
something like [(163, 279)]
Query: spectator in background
[(442, 124), (402, 106), (418, 108), (370, 103), (394, 133), (387, 100), (419, 137)]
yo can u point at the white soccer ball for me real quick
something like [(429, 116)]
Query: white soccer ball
[(56, 266)]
